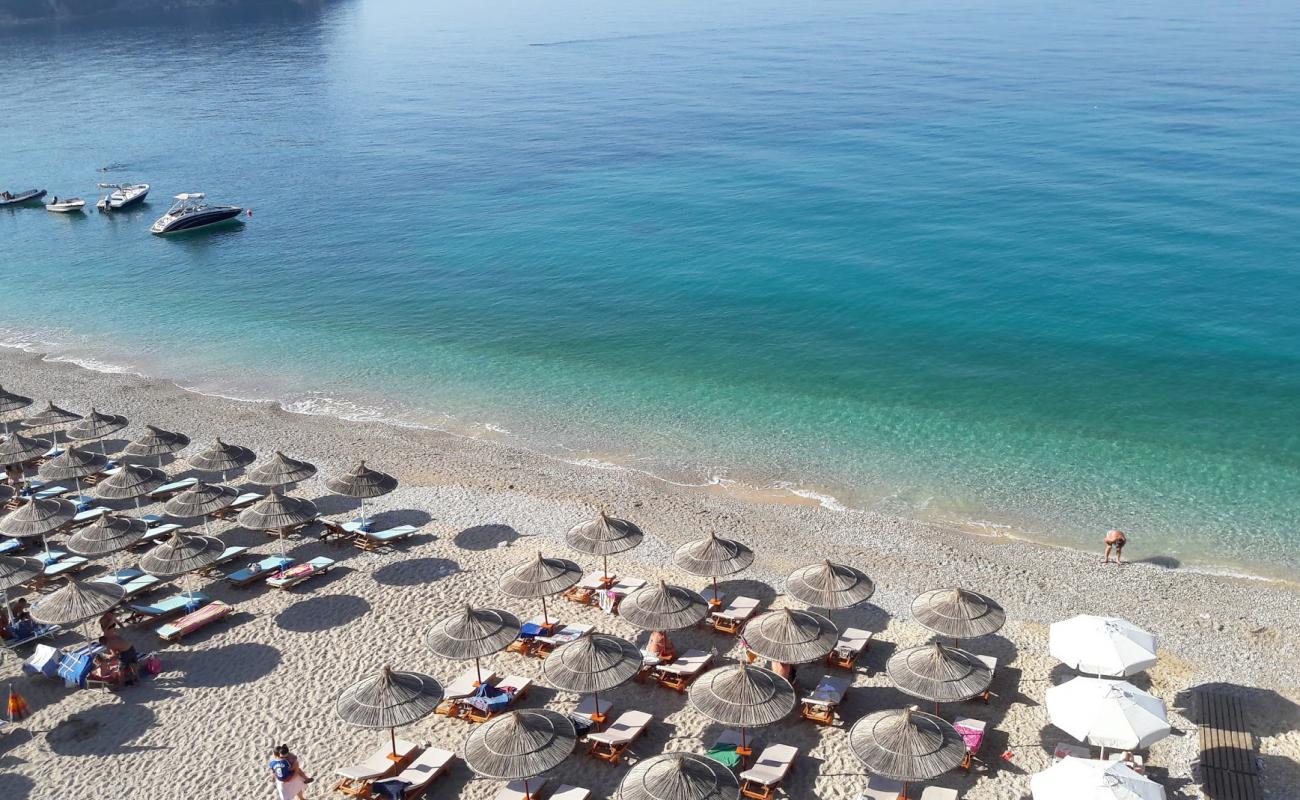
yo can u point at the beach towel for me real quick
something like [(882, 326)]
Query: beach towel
[(530, 630), (44, 661), (391, 789), (725, 754), (490, 699), (973, 738), (76, 665)]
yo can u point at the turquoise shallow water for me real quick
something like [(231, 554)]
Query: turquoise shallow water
[(1019, 266)]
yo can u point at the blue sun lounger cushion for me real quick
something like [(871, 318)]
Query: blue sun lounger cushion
[(175, 604)]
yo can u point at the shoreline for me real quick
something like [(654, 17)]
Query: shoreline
[(781, 493)]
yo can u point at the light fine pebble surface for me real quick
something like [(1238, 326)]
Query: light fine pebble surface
[(203, 728)]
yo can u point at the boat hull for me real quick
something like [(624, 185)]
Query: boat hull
[(30, 196), (190, 222)]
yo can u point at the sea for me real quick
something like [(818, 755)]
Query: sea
[(1027, 269)]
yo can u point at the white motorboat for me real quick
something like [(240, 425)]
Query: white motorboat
[(190, 212), (68, 205), (124, 195)]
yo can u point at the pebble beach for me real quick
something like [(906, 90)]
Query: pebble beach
[(204, 726)]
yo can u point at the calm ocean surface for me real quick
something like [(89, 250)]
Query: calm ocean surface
[(1024, 266)]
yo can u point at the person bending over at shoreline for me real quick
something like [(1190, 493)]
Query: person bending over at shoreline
[(1116, 539)]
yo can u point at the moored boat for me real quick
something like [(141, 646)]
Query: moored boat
[(124, 195), (190, 212), (68, 205), (13, 199)]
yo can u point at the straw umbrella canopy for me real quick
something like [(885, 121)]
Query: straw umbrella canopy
[(604, 536), (906, 744), (713, 556), (96, 425), (221, 458), (278, 512), (472, 633), (663, 607), (17, 570), (939, 673), (592, 664), (280, 470), (157, 443), (38, 518), (76, 602), (742, 695), (52, 417), (520, 744), (829, 585), (73, 464), (1086, 779), (108, 534), (19, 449), (1102, 645), (9, 401), (200, 500), (130, 481), (958, 613), (679, 776), (1113, 714), (181, 553), (363, 483), (791, 636), (389, 699), (538, 577)]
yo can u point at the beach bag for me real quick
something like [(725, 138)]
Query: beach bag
[(282, 768), (152, 665)]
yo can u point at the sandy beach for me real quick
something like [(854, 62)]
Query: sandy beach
[(203, 728)]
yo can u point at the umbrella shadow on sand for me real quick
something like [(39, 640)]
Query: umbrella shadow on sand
[(102, 730), (744, 587), (227, 665), (15, 787), (316, 614), (486, 537), (415, 571)]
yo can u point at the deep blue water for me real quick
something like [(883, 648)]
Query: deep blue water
[(1031, 265)]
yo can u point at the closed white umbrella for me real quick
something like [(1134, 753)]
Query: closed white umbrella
[(1102, 646), (1085, 779), (1114, 714)]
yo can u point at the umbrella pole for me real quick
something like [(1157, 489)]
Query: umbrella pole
[(744, 762), (478, 671), (364, 522), (596, 716), (392, 735), (605, 559), (546, 622)]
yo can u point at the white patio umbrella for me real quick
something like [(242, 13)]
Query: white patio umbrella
[(1102, 646), (1114, 714), (1085, 779)]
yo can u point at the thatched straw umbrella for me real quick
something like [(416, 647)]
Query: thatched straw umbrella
[(52, 417), (220, 457), (939, 673), (1102, 645), (181, 554), (791, 636), (200, 500), (591, 665), (742, 695), (96, 425), (15, 571), (364, 484), (38, 518), (539, 577), (280, 470), (829, 585), (663, 607), (9, 401), (604, 536), (157, 443), (679, 776), (1072, 778), (278, 512), (19, 449), (108, 534), (472, 633), (73, 464), (713, 556), (906, 745), (520, 744), (389, 700), (76, 602), (958, 613), (130, 482)]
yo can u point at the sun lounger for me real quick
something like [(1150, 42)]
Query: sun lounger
[(416, 778), (231, 553), (528, 633), (172, 489), (851, 644), (259, 571), (611, 743), (597, 713), (567, 792), (543, 645), (35, 634), (521, 790), (464, 686), (50, 491), (373, 540), (195, 621), (10, 546), (88, 516), (992, 663), (64, 566), (972, 731), (822, 702), (242, 502), (355, 780), (773, 764), (132, 579), (293, 576), (584, 590), (879, 788), (497, 698), (737, 612), (728, 750), (679, 674), (937, 793), (155, 534), (81, 501), (48, 557), (166, 608)]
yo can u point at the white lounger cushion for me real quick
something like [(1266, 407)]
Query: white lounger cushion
[(739, 608), (830, 690), (422, 769), (626, 728), (938, 793), (464, 685), (587, 706), (567, 792), (772, 765), (689, 663), (515, 789), (853, 640), (377, 764)]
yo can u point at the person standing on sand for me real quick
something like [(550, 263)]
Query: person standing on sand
[(1116, 539), (290, 781)]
